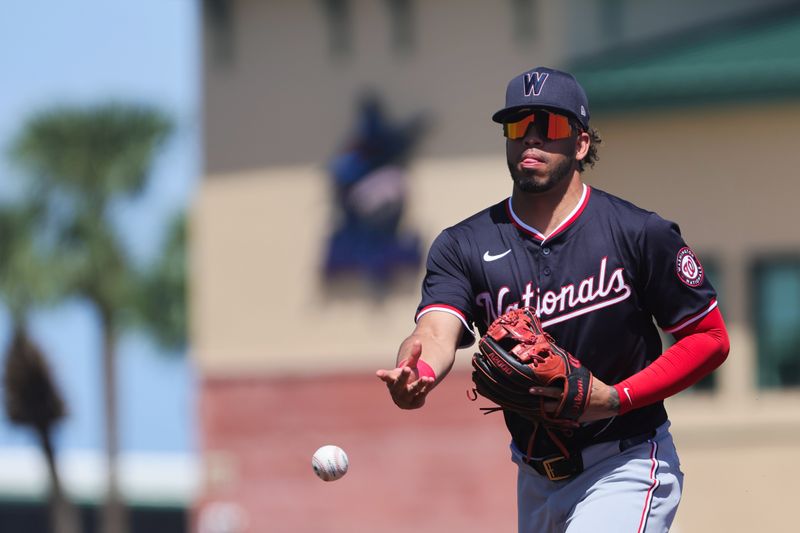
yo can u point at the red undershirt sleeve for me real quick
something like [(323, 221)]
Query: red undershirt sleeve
[(701, 347)]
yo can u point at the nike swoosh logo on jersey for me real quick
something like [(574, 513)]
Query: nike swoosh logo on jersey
[(489, 257), (628, 394)]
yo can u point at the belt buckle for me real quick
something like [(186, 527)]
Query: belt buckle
[(547, 464)]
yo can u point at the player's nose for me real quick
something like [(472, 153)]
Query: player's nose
[(533, 138)]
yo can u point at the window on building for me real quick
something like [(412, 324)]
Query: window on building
[(776, 310), (219, 18), (523, 21), (338, 16), (401, 18), (611, 13)]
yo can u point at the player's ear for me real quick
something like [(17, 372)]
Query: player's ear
[(582, 143)]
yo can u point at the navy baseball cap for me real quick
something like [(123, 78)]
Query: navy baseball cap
[(548, 88)]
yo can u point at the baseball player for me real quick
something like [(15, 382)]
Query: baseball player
[(602, 275)]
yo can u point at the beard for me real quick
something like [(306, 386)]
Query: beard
[(535, 183)]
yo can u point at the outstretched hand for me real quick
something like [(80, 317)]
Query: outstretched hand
[(407, 388)]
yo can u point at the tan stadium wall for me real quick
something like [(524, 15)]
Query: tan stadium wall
[(259, 240)]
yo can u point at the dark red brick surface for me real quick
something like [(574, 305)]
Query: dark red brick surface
[(444, 467)]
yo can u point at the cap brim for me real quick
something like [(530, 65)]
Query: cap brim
[(507, 112)]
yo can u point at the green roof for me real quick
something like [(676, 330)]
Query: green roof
[(756, 60)]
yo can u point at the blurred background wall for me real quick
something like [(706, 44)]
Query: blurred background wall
[(696, 104), (319, 147)]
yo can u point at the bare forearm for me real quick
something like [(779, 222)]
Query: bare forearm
[(423, 360), (436, 352)]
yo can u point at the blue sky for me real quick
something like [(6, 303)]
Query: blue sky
[(93, 51)]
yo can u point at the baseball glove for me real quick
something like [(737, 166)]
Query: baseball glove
[(515, 355)]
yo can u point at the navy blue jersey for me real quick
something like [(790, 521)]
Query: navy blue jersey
[(600, 282)]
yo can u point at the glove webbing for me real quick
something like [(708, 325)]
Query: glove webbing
[(472, 395)]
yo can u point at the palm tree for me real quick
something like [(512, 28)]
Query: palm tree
[(31, 396), (81, 162), (161, 308)]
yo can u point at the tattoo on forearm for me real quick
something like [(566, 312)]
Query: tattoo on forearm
[(613, 400)]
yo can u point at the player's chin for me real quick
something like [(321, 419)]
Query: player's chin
[(531, 182)]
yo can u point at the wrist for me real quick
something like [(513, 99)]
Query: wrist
[(613, 400), (623, 397), (423, 368), (603, 402)]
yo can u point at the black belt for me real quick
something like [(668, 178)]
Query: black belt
[(559, 467)]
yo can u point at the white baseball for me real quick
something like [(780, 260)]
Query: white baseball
[(330, 463)]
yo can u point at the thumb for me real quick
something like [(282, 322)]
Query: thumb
[(414, 353)]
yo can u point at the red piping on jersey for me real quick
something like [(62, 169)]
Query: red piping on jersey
[(444, 308), (692, 319), (441, 307), (648, 502), (576, 213)]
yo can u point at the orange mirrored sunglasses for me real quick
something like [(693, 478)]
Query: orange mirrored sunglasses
[(549, 125)]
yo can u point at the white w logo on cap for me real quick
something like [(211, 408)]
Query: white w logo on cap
[(533, 82)]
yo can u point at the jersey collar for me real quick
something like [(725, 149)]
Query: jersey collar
[(567, 222)]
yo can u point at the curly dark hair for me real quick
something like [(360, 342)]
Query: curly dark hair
[(591, 157)]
